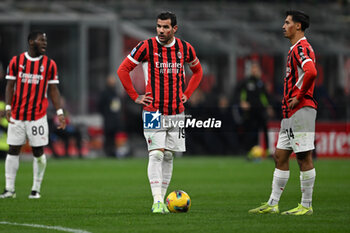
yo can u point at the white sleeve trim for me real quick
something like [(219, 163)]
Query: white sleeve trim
[(133, 60), (194, 62), (53, 81), (307, 60), (10, 77)]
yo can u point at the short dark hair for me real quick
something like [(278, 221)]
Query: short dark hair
[(299, 17), (168, 15), (34, 34)]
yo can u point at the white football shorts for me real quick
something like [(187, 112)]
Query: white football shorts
[(37, 132), (169, 136), (297, 133)]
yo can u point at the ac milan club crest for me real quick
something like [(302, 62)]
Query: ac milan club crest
[(179, 55)]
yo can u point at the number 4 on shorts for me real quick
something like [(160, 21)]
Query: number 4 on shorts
[(290, 133)]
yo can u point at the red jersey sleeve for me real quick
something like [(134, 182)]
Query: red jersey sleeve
[(195, 79), (12, 69), (191, 55), (306, 60), (309, 77), (52, 73), (124, 75), (139, 53), (196, 68), (304, 54)]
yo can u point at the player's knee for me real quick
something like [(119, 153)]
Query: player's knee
[(304, 160), (156, 154), (304, 156), (38, 151), (281, 162), (14, 150), (168, 155), (276, 158)]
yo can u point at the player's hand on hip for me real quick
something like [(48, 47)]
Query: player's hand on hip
[(61, 122), (184, 98), (293, 102), (145, 99), (8, 117)]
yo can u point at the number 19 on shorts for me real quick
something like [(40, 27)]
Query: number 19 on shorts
[(181, 132)]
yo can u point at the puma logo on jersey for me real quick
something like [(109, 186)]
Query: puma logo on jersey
[(157, 54)]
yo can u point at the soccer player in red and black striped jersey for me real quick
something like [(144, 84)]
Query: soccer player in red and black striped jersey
[(163, 58), (30, 77), (297, 133)]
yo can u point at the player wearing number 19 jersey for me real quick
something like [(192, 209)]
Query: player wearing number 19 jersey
[(29, 76), (164, 72), (297, 133), (163, 58)]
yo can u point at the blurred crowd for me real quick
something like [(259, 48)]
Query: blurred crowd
[(245, 113)]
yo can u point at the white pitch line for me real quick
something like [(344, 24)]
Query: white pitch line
[(58, 228)]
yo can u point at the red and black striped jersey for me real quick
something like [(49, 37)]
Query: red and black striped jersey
[(32, 76), (299, 54), (163, 67)]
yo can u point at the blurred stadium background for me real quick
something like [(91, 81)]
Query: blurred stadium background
[(89, 39)]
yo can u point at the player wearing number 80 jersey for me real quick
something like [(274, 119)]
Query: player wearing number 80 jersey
[(28, 76), (31, 76)]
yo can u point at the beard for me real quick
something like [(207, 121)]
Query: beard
[(165, 39), (37, 50)]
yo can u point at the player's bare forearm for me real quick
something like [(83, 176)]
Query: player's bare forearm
[(9, 91), (55, 97), (8, 97)]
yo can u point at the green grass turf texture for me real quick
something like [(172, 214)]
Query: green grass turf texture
[(106, 195)]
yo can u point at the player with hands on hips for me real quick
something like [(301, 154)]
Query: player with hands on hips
[(163, 58), (297, 132)]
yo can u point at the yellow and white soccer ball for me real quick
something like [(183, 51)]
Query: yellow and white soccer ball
[(257, 152), (178, 201)]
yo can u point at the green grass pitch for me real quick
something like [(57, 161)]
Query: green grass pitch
[(106, 195)]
